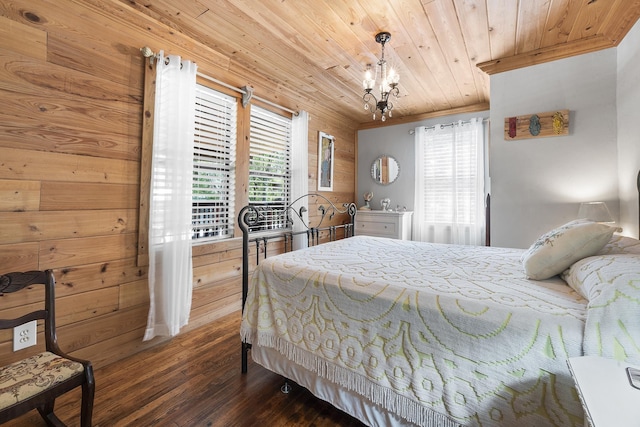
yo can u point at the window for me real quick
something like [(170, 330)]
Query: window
[(212, 171), (214, 156), (269, 167), (450, 172), (449, 201)]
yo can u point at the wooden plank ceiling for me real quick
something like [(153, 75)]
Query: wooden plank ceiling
[(444, 50)]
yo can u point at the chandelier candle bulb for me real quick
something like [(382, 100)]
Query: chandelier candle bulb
[(394, 77), (368, 81)]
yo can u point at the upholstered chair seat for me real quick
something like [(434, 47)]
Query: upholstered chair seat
[(26, 378)]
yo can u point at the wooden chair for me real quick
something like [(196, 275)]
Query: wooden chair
[(36, 382)]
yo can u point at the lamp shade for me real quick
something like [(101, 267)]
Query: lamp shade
[(595, 211)]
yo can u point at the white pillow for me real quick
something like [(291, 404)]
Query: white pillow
[(557, 249), (621, 245), (591, 275)]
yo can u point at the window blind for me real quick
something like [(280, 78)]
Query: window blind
[(213, 209), (269, 167), (450, 170)]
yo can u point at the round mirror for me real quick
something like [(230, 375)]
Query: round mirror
[(385, 169)]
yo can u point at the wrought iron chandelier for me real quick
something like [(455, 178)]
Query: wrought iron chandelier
[(388, 84)]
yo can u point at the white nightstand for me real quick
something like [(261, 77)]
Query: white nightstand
[(606, 394), (396, 225)]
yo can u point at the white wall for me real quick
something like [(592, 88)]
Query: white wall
[(395, 141), (628, 99), (538, 184)]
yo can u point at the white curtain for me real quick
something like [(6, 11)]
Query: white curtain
[(300, 170), (170, 268), (449, 197)]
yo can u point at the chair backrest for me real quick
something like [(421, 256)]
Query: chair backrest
[(17, 281)]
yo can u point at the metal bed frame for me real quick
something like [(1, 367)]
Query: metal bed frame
[(251, 215)]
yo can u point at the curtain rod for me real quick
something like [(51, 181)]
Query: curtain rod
[(484, 120), (244, 92), (148, 53)]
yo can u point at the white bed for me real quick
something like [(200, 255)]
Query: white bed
[(400, 333)]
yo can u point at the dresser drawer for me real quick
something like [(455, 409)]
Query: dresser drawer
[(377, 228), (396, 225)]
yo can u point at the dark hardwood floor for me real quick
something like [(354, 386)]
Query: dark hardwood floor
[(195, 380)]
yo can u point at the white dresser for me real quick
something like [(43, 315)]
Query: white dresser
[(396, 225)]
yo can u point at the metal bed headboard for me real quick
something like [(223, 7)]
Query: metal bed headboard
[(250, 216)]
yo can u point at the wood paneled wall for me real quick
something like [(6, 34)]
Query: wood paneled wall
[(71, 85)]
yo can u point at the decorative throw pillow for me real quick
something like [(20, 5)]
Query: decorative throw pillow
[(557, 249)]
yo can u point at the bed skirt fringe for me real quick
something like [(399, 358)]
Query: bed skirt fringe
[(408, 409)]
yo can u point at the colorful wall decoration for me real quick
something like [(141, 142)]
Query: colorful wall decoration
[(538, 125)]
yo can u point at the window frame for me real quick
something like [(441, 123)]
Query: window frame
[(273, 211), (215, 146)]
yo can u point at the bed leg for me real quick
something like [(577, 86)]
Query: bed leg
[(286, 387), (244, 356)]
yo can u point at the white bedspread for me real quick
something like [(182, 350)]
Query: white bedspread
[(427, 331)]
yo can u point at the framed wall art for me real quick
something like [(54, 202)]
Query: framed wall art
[(325, 161)]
